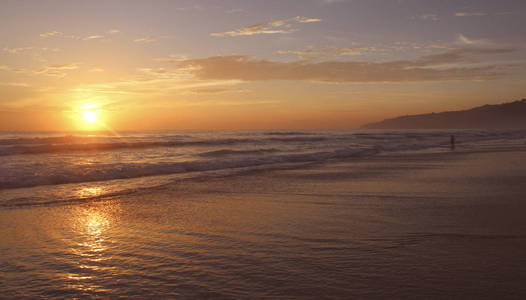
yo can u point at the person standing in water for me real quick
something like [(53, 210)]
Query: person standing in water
[(452, 140)]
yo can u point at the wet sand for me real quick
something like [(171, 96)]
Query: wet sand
[(447, 225)]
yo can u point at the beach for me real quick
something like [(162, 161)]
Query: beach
[(445, 224), (206, 149)]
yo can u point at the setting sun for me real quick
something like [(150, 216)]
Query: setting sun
[(90, 116)]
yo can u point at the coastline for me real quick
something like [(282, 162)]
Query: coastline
[(445, 225)]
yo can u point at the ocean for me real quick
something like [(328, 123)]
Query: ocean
[(263, 214), (38, 168)]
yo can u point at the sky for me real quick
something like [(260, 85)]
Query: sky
[(253, 64)]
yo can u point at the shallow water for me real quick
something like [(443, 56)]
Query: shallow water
[(444, 225)]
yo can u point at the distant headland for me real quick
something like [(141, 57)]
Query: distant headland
[(499, 116)]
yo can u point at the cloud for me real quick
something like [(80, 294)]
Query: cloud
[(17, 50), (426, 68), (465, 41), (263, 28), (50, 49), (57, 70), (470, 14), (173, 58), (14, 70), (23, 49), (74, 37), (71, 66), (113, 31), (96, 70), (214, 90), (148, 39), (93, 37), (314, 51), (51, 33), (270, 27), (462, 55), (427, 17), (306, 20)]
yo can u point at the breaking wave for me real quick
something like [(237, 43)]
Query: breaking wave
[(102, 172)]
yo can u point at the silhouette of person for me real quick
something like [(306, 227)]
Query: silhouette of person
[(452, 142)]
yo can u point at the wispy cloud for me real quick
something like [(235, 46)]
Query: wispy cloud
[(51, 33), (306, 20), (71, 66), (23, 49), (263, 28), (470, 14), (93, 37), (331, 51), (18, 84), (427, 17), (465, 41), (58, 34), (270, 27), (113, 31), (16, 50), (173, 58), (57, 70), (213, 90), (147, 39)]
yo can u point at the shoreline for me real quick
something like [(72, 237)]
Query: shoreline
[(236, 172)]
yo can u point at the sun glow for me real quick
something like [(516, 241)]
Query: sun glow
[(90, 116)]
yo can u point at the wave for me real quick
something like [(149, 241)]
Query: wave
[(69, 144), (53, 148), (35, 201), (228, 152), (298, 139), (105, 172), (287, 133)]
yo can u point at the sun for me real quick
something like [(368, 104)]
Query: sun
[(90, 116)]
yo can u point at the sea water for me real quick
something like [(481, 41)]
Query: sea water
[(45, 167)]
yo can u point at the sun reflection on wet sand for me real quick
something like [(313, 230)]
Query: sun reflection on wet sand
[(90, 226), (88, 192)]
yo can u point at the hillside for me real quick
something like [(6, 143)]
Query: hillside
[(499, 116)]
